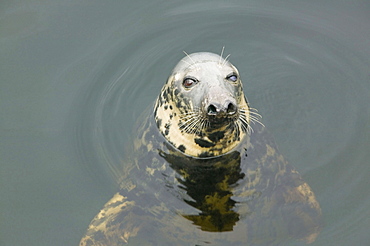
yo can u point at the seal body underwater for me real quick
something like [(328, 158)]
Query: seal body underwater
[(204, 171)]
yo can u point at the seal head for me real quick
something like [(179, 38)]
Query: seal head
[(202, 110)]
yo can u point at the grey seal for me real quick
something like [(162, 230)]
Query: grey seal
[(202, 170)]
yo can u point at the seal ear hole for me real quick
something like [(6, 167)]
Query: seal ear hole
[(232, 77), (189, 82)]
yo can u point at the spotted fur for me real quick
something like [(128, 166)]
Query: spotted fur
[(216, 185)]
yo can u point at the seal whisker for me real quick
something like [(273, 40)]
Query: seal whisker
[(244, 115), (189, 115), (189, 57), (246, 128), (201, 126), (255, 120), (191, 112), (187, 124), (250, 130), (190, 127), (222, 52), (253, 115), (183, 60), (254, 111), (186, 117), (250, 110), (194, 124), (245, 124), (207, 124), (237, 126), (195, 112), (196, 128), (226, 60)]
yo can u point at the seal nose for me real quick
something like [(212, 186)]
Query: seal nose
[(216, 109)]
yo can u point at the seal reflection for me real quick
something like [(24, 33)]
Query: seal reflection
[(209, 182)]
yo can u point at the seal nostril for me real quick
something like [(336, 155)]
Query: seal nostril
[(231, 109), (211, 110)]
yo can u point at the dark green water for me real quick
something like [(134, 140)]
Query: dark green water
[(74, 77)]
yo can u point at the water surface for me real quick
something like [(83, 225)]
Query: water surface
[(75, 76)]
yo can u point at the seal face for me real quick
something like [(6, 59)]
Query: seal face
[(196, 170), (202, 110)]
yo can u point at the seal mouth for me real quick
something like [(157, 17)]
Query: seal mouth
[(222, 119), (221, 125), (200, 121), (220, 116), (218, 123)]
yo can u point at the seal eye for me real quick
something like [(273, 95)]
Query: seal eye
[(232, 77), (189, 82)]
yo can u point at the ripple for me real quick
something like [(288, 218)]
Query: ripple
[(305, 73), (295, 69)]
